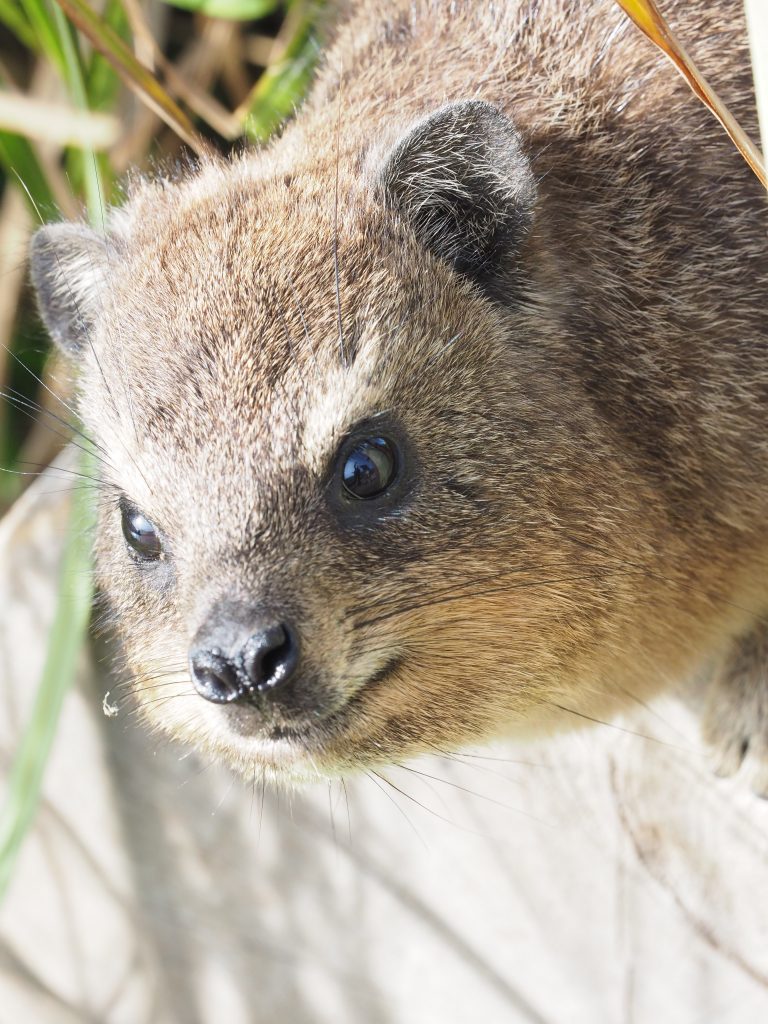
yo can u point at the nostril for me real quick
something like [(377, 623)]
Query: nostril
[(269, 658), (214, 677)]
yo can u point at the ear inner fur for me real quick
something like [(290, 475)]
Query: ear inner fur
[(69, 269), (459, 177)]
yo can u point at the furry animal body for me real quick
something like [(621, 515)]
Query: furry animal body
[(443, 416)]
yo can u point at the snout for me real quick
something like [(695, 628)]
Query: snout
[(225, 668)]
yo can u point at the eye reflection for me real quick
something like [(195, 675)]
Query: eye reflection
[(369, 468), (141, 535)]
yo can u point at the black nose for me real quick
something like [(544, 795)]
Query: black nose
[(265, 661), (269, 658), (214, 676)]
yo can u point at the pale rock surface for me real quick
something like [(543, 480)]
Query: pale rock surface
[(603, 878)]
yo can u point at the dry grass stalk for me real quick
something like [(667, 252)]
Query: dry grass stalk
[(192, 92), (649, 19), (133, 73), (199, 65), (57, 123)]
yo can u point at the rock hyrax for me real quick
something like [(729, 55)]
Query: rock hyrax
[(443, 416)]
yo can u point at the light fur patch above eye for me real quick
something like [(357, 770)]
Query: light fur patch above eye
[(348, 397)]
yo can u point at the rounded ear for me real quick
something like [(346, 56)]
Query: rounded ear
[(69, 264), (462, 181)]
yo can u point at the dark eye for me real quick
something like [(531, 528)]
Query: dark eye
[(370, 467), (141, 535)]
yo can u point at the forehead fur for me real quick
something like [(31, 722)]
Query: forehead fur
[(222, 334)]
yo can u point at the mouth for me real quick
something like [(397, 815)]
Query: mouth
[(285, 742), (340, 714)]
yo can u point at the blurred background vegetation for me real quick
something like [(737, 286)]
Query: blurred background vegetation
[(89, 89)]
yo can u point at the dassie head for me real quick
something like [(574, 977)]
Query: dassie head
[(352, 507)]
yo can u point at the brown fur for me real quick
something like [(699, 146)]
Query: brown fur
[(588, 519)]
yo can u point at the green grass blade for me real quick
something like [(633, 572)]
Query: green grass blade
[(102, 84), (283, 84), (23, 168), (40, 17), (13, 17), (19, 160), (64, 645), (234, 10), (102, 81), (77, 90)]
